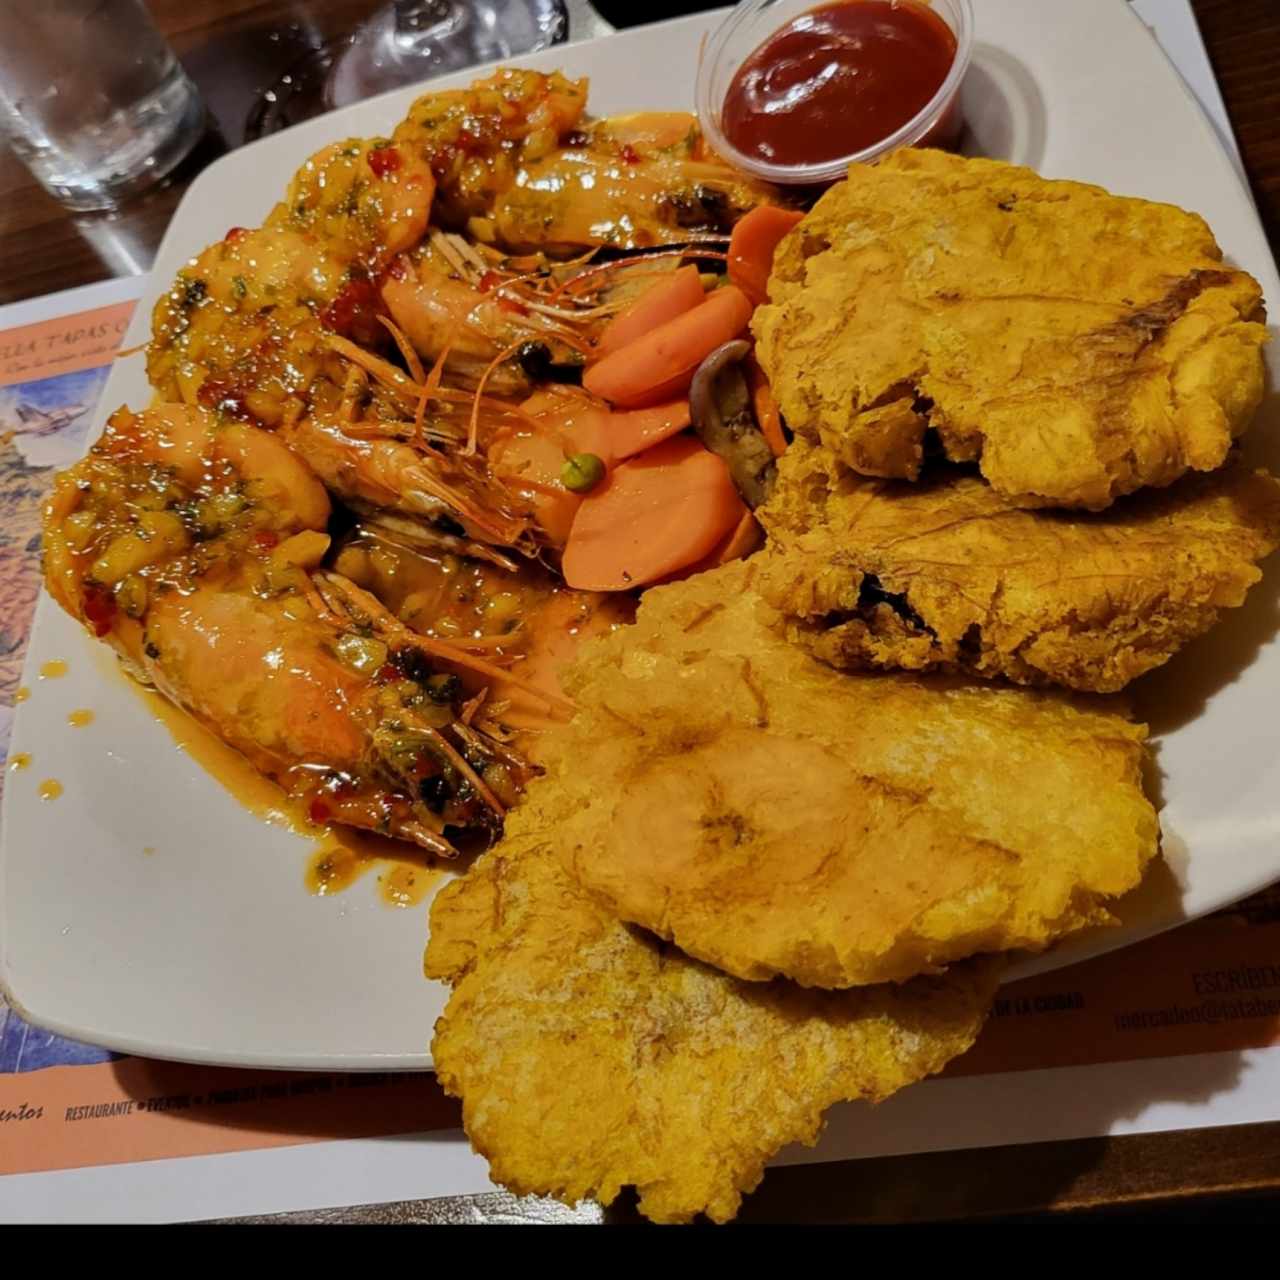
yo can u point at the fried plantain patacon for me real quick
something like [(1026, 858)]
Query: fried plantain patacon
[(946, 575), (772, 816), (1075, 344), (590, 1056)]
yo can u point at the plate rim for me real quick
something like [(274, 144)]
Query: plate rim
[(1082, 948)]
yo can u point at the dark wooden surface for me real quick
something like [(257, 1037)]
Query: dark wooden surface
[(1243, 39), (234, 48)]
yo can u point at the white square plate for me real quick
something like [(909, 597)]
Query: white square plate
[(212, 950)]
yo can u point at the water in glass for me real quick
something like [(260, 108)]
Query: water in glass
[(92, 99)]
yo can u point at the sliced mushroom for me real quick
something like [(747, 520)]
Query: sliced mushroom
[(720, 407)]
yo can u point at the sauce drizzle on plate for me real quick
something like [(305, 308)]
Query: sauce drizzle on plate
[(342, 855), (405, 878)]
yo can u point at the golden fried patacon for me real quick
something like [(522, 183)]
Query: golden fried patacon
[(1078, 345), (947, 575), (590, 1056), (772, 816)]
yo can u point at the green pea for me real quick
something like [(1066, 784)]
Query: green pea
[(582, 472)]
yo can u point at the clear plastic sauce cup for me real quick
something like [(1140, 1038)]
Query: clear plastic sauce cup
[(754, 22)]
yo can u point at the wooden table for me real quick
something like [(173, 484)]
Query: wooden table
[(1215, 1174)]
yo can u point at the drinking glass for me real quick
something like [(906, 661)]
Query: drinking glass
[(412, 40), (92, 99), (406, 42)]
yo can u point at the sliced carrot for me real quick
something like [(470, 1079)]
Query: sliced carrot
[(529, 464), (632, 431), (678, 293), (753, 243), (742, 540), (737, 544), (655, 514), (659, 365), (765, 407)]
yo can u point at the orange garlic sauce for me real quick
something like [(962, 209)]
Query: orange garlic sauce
[(441, 595), (342, 855)]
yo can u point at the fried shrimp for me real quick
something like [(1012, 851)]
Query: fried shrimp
[(194, 549)]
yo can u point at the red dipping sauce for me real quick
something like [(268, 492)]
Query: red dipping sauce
[(838, 79)]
